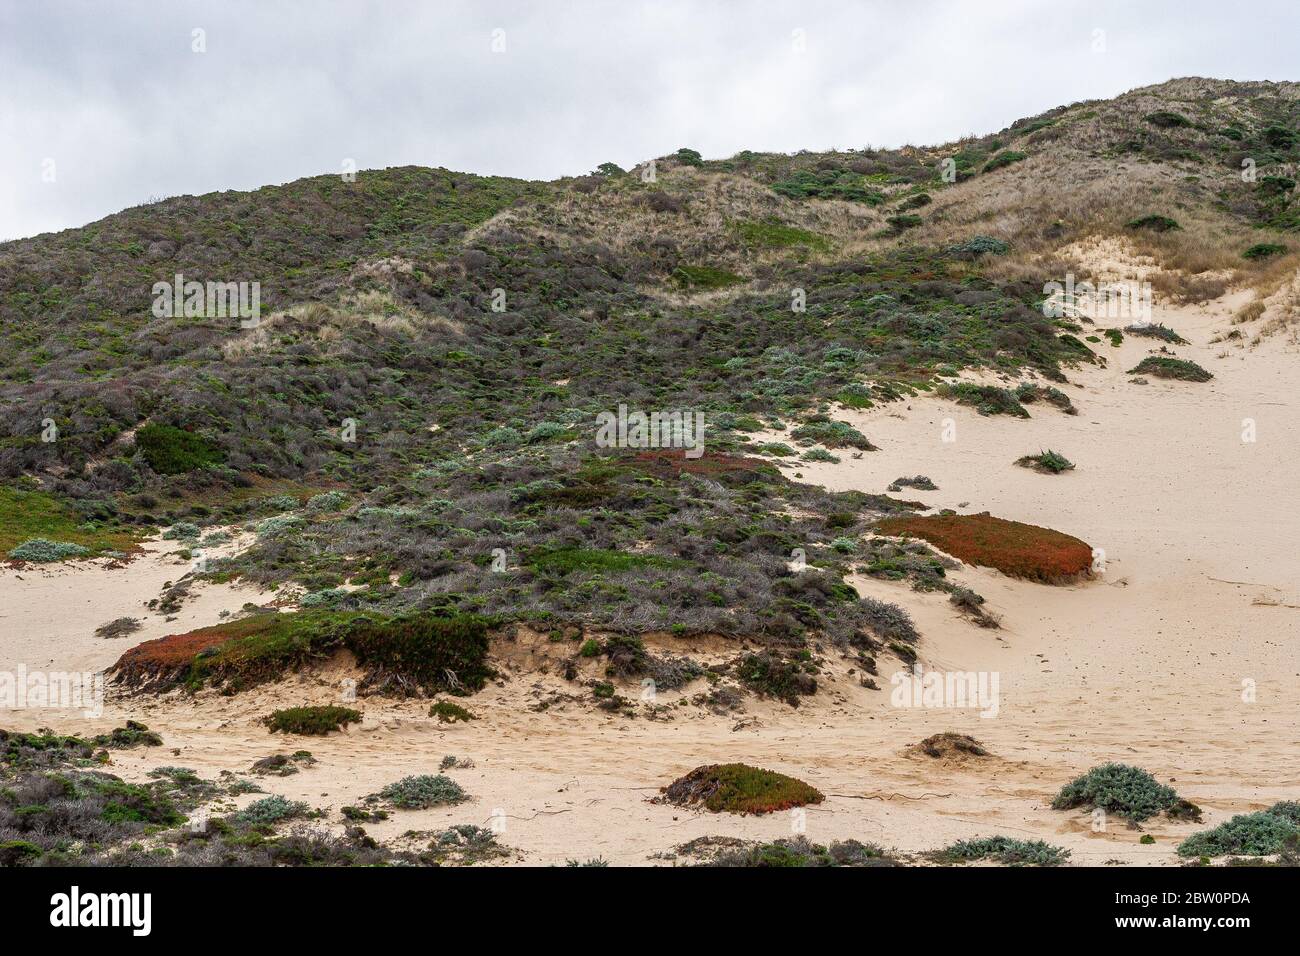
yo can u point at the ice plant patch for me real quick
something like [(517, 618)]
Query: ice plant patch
[(1017, 549), (739, 788)]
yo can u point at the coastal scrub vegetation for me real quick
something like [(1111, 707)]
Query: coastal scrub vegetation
[(311, 721), (1127, 791)]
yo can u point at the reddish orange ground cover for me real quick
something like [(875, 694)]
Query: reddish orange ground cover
[(1017, 549)]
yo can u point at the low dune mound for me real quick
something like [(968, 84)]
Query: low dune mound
[(951, 747), (1016, 549), (739, 788)]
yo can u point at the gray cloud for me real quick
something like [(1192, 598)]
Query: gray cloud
[(113, 95)]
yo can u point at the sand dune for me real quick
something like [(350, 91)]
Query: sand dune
[(1145, 664)]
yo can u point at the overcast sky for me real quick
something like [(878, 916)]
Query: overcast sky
[(105, 105)]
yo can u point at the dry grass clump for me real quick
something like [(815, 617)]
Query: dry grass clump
[(951, 746), (1016, 549)]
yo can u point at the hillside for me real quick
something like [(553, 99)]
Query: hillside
[(931, 574), (435, 347)]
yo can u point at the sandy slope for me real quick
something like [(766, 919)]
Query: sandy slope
[(1145, 665)]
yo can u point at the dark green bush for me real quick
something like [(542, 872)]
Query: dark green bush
[(449, 713), (1004, 158), (1046, 461), (1264, 250), (174, 451), (423, 653), (1154, 223), (311, 721), (1155, 330), (774, 676), (704, 278), (1167, 119), (1162, 367)]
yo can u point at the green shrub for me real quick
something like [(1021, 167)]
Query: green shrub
[(279, 503), (423, 652), (503, 437), (1162, 367), (771, 234), (269, 810), (703, 278), (181, 531), (904, 220), (1167, 119), (820, 454), (449, 713), (1280, 137), (1263, 250), (423, 791), (1130, 792), (545, 431), (689, 157), (1154, 223), (328, 597), (828, 184), (1247, 834), (1004, 158), (979, 246), (1155, 330), (832, 434), (590, 648), (987, 399), (1003, 850), (311, 721), (174, 451), (40, 551), (773, 676), (799, 852), (1046, 461), (279, 526), (326, 502), (568, 560)]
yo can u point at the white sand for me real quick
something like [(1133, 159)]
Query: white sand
[(1145, 665)]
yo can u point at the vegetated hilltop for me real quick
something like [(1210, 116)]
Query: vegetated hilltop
[(434, 348)]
